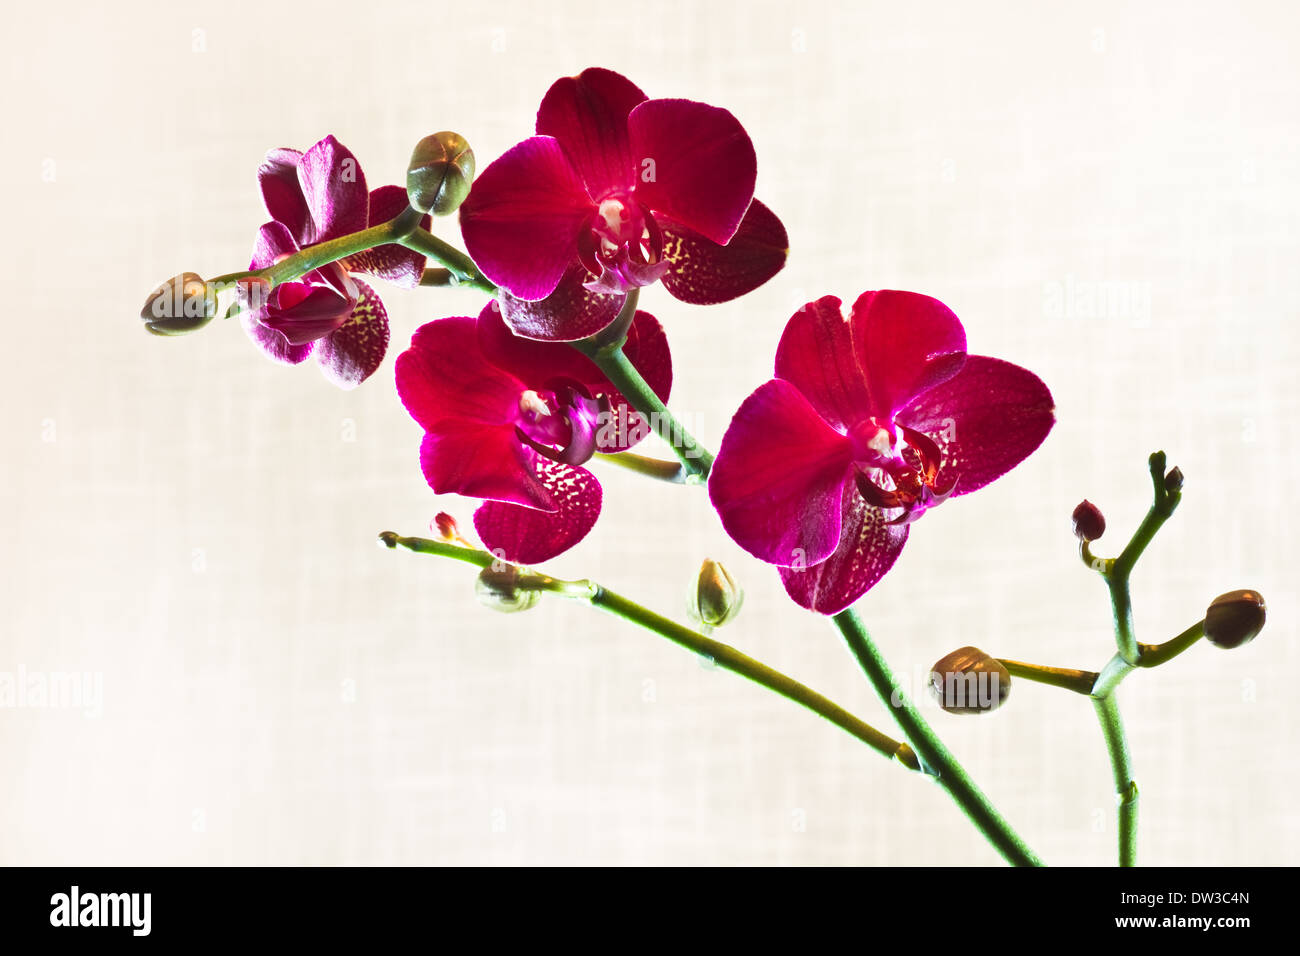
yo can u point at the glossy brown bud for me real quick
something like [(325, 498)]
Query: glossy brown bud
[(1233, 619), (440, 173), (1174, 480), (968, 681), (717, 597), (182, 304), (1089, 522), (498, 587)]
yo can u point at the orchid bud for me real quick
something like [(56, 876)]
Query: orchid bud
[(1174, 480), (968, 681), (182, 304), (440, 172), (497, 587), (446, 526), (1089, 522), (1233, 619), (717, 597)]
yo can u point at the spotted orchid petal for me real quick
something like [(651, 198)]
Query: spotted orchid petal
[(529, 535), (702, 272), (868, 547)]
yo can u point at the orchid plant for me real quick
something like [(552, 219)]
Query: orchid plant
[(871, 419)]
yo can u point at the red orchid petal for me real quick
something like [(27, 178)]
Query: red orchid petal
[(352, 352), (816, 356), (587, 113), (906, 343), (334, 188), (273, 242), (392, 263), (986, 419), (777, 480), (444, 374), (281, 192), (522, 218), (306, 312), (273, 343), (531, 362), (569, 313), (482, 461), (695, 163), (529, 536), (703, 272), (868, 548)]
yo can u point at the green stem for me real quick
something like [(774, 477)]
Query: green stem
[(1111, 675), (1166, 494), (1153, 655), (935, 757), (321, 254), (670, 471), (605, 349), (461, 267), (1166, 489), (1112, 727), (724, 655), (1081, 682)]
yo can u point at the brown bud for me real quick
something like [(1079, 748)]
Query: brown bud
[(1174, 480), (439, 175), (1233, 619), (1089, 522), (497, 587), (717, 597), (968, 681), (182, 304)]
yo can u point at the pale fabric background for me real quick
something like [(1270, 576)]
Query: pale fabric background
[(196, 525)]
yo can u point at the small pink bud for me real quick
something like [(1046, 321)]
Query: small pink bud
[(1089, 522), (446, 527)]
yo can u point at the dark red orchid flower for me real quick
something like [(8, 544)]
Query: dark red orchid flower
[(313, 197), (869, 423), (615, 192), (513, 421)]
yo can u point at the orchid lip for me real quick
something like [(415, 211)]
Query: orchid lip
[(914, 471), (623, 248), (561, 422)]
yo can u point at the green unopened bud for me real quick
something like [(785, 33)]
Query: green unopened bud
[(968, 681), (497, 587), (440, 173), (717, 597), (184, 303), (1233, 619)]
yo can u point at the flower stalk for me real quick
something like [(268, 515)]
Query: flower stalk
[(1166, 493), (723, 655), (936, 759), (609, 358)]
